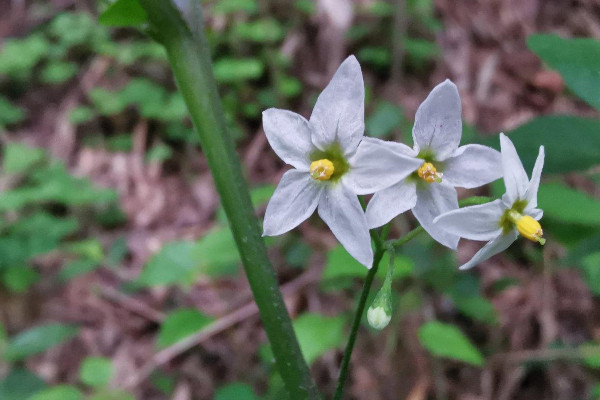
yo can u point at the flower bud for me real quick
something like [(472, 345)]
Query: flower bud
[(378, 317)]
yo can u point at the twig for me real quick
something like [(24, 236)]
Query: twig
[(134, 305)]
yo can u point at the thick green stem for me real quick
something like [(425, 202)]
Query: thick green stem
[(190, 59)]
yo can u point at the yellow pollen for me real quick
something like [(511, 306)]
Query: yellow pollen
[(428, 173), (321, 169), (530, 229)]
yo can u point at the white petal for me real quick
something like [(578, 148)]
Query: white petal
[(377, 165), (390, 202), (289, 135), (342, 212), (473, 165), (534, 183), (294, 200), (339, 114), (515, 177), (535, 213), (434, 199), (438, 124), (476, 223), (492, 248)]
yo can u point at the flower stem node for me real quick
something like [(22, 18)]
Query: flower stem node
[(429, 173), (530, 229), (322, 169), (378, 317)]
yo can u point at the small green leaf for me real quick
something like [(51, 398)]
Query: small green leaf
[(172, 264), (577, 60), (20, 384), (61, 392), (19, 278), (9, 113), (58, 72), (231, 70), (124, 13), (235, 391), (81, 115), (96, 371), (444, 340), (385, 119), (18, 158), (232, 6), (568, 205), (590, 264), (38, 339), (111, 395), (179, 325), (317, 334)]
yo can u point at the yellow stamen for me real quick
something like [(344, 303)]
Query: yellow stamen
[(527, 226), (321, 169), (428, 173)]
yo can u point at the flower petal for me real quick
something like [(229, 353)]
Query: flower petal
[(476, 222), (377, 165), (473, 165), (289, 135), (438, 124), (534, 183), (433, 200), (535, 213), (492, 248), (515, 177), (341, 211), (294, 200), (390, 202), (339, 114)]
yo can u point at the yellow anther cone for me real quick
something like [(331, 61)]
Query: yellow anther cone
[(322, 169)]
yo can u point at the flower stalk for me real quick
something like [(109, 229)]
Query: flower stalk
[(190, 60)]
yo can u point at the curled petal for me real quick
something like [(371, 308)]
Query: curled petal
[(515, 177), (479, 222), (438, 124), (433, 200), (534, 183), (492, 248), (376, 165), (473, 165), (294, 200), (340, 209), (339, 114), (390, 202), (289, 135)]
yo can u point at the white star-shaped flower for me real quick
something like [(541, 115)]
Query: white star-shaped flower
[(501, 221), (429, 191), (333, 163)]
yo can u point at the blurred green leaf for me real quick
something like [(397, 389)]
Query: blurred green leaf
[(590, 265), (20, 384), (61, 392), (571, 143), (58, 72), (420, 51), (232, 6), (96, 371), (38, 339), (80, 28), (565, 204), (308, 7), (384, 120), (18, 157), (445, 340), (172, 264), (159, 153), (111, 395), (81, 115), (267, 30), (235, 391), (180, 324), (19, 56), (380, 8), (233, 70), (124, 13), (376, 56), (76, 268), (9, 113), (19, 278), (317, 334), (577, 60), (591, 354)]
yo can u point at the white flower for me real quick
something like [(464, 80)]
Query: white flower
[(333, 163), (501, 221), (429, 191)]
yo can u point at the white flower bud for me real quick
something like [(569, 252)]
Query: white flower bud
[(378, 318)]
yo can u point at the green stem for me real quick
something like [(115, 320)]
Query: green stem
[(189, 56)]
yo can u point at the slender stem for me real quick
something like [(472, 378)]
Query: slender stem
[(409, 236), (189, 56)]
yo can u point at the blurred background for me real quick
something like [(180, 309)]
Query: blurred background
[(119, 277)]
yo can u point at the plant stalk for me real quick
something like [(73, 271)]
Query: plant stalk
[(190, 60)]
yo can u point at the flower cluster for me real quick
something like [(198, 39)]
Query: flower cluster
[(334, 162)]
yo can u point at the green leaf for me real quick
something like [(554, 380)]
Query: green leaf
[(38, 339), (19, 278), (179, 325), (58, 72), (267, 30), (444, 340), (568, 205), (571, 143), (591, 354), (385, 119), (590, 265), (232, 70), (172, 264), (96, 371), (375, 55), (61, 392), (124, 13), (20, 384), (235, 391), (232, 6), (577, 60), (317, 334), (81, 115), (9, 113), (111, 395), (18, 158), (19, 56)]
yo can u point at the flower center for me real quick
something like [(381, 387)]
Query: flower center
[(527, 226), (428, 173), (322, 169)]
